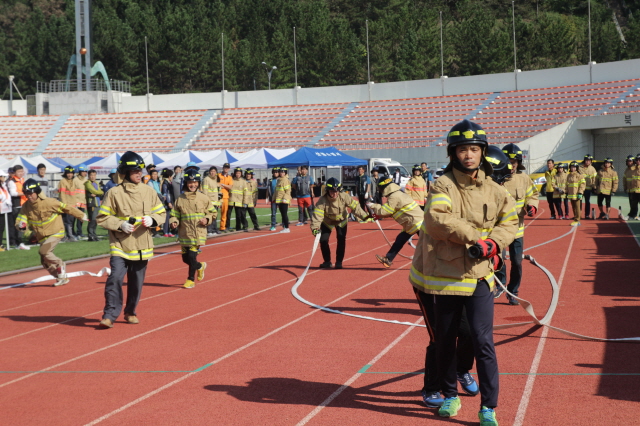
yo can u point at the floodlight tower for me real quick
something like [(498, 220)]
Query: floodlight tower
[(83, 43)]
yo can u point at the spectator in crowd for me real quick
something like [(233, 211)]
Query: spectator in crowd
[(454, 220), (331, 211), (575, 190), (238, 191), (303, 190), (80, 179), (129, 240), (94, 198), (42, 180), (14, 186), (211, 189), (589, 173), (522, 190), (271, 190), (226, 182), (397, 177), (251, 200), (426, 174), (67, 194), (167, 194), (376, 196), (363, 187), (417, 187), (632, 186), (41, 214), (606, 185), (147, 177), (549, 174), (5, 206), (282, 197), (113, 175), (559, 184), (177, 182), (191, 215)]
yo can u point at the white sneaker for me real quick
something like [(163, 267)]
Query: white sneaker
[(285, 231), (636, 218), (23, 247), (62, 280)]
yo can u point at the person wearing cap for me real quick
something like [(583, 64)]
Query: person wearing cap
[(302, 186), (465, 210), (94, 198), (589, 173), (523, 191), (251, 199), (167, 194), (376, 197), (332, 211), (14, 186), (282, 197), (128, 212), (238, 196), (606, 184), (81, 202), (417, 187), (41, 178), (271, 190), (192, 213), (42, 215), (575, 188), (113, 175), (633, 187), (146, 178), (211, 188), (559, 183), (225, 181), (67, 194), (5, 205)]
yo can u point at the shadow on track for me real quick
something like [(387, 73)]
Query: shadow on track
[(72, 321)]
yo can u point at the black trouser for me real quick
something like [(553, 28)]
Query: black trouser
[(213, 226), (341, 233), (363, 202), (78, 222), (190, 257), (400, 241), (284, 213), (448, 314), (241, 220), (586, 200), (606, 198), (551, 203), (464, 349), (14, 234), (634, 200), (515, 256), (92, 213), (165, 226), (67, 219), (2, 226), (558, 204), (135, 270), (252, 215)]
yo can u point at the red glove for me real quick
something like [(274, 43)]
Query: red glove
[(374, 216), (531, 211), (488, 247), (496, 262)]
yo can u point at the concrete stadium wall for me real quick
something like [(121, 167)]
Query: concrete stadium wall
[(19, 107)]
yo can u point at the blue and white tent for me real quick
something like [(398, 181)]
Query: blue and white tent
[(261, 158), (311, 157)]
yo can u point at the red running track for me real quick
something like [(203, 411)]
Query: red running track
[(239, 349)]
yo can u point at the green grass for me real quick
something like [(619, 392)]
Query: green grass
[(19, 259)]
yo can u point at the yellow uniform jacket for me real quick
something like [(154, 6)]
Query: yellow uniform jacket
[(187, 211), (606, 181), (589, 175), (211, 189), (283, 191), (68, 191), (524, 192), (43, 216), (575, 185), (238, 193), (333, 211), (401, 207), (417, 189)]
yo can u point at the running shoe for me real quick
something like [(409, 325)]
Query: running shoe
[(513, 301), (487, 417), (498, 292), (575, 223), (61, 281), (285, 231), (601, 216), (201, 271), (325, 265), (131, 319), (383, 259), (273, 228), (553, 217), (299, 224), (338, 265), (23, 247), (432, 399), (468, 383), (450, 407), (188, 284), (106, 323), (256, 228)]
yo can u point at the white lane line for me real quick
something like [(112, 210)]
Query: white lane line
[(355, 377), (248, 345), (535, 364)]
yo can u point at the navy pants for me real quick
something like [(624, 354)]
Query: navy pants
[(515, 256), (274, 211), (464, 350), (551, 203), (135, 271), (78, 222), (448, 313), (341, 233)]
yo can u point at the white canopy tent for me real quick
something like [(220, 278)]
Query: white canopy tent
[(260, 158), (39, 159), (106, 164)]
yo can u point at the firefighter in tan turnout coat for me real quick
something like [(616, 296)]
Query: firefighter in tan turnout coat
[(191, 214), (42, 215), (129, 212), (468, 220)]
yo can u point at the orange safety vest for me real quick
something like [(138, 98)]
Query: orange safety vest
[(19, 182), (226, 180)]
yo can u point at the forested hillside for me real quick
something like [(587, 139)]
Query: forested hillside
[(37, 39)]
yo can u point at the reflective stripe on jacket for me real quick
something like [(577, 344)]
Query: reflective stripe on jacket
[(187, 211), (523, 191), (575, 185), (634, 180), (401, 207), (81, 200), (417, 189), (333, 211), (211, 189), (606, 181), (589, 175), (130, 200), (67, 191), (283, 191), (238, 192), (461, 210), (560, 185), (43, 216)]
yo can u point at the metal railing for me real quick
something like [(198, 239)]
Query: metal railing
[(72, 86)]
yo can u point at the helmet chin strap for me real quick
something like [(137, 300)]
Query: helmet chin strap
[(458, 165)]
